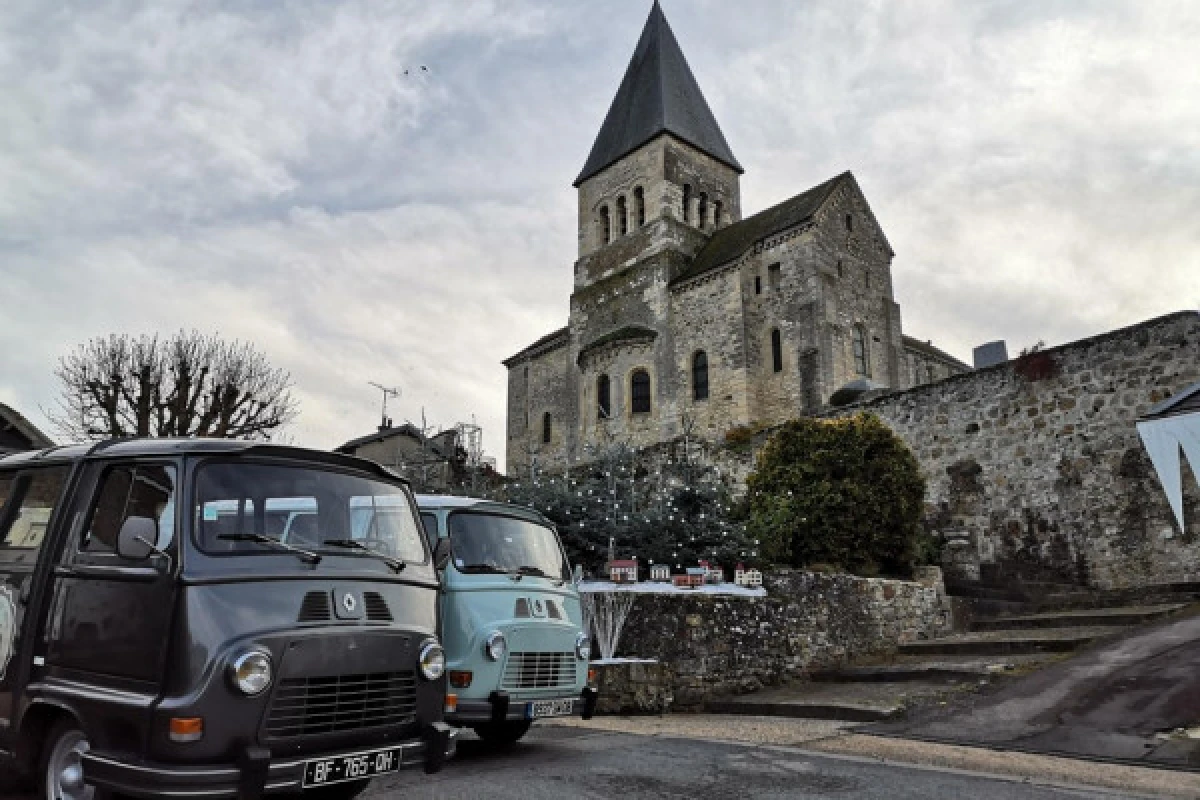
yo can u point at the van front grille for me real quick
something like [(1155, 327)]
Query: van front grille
[(314, 608), (377, 607), (539, 671), (308, 706)]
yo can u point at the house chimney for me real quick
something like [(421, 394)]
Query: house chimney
[(990, 354)]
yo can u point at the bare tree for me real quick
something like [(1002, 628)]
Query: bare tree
[(186, 385)]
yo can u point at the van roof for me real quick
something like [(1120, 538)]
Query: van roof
[(132, 448), (430, 502)]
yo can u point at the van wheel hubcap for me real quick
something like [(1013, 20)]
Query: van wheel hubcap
[(64, 778)]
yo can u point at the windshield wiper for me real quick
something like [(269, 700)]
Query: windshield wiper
[(354, 544), (539, 572), (488, 568), (307, 556)]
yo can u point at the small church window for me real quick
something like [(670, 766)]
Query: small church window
[(700, 376), (860, 351), (932, 375), (603, 398), (776, 351), (639, 392), (687, 202), (866, 279), (758, 284), (849, 222), (605, 225), (841, 270), (716, 213), (547, 427), (703, 209), (622, 217), (774, 276), (639, 205)]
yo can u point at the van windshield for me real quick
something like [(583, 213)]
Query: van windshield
[(303, 507), (494, 543)]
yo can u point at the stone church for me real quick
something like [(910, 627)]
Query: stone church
[(687, 315)]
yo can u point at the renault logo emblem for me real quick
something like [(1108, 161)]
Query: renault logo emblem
[(349, 603)]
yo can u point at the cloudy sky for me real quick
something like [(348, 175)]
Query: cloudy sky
[(285, 172)]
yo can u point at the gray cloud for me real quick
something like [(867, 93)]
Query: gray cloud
[(268, 171)]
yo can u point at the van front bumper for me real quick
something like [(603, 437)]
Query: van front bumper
[(500, 706), (256, 775)]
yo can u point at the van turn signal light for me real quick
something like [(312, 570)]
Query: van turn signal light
[(451, 703), (591, 676), (186, 729), (460, 678)]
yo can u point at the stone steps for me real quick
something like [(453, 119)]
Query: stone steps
[(847, 702), (981, 643), (947, 669), (1130, 615)]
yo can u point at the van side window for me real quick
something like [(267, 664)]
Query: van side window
[(38, 493), (128, 491)]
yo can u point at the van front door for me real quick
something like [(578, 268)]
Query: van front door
[(27, 502)]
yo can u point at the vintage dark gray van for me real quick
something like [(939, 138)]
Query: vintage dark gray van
[(159, 638)]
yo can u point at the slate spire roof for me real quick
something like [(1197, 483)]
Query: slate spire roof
[(658, 95)]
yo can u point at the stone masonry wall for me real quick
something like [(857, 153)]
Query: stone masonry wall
[(713, 645)]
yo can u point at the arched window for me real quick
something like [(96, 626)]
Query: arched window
[(622, 217), (716, 213), (639, 392), (687, 202), (703, 208), (603, 398), (860, 351), (605, 225), (849, 222), (776, 351), (547, 427), (639, 206), (700, 376)]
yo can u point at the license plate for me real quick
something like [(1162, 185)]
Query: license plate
[(352, 768), (550, 708)]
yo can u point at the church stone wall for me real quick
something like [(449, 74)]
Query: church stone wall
[(536, 386)]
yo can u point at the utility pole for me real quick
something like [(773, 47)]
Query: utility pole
[(388, 391)]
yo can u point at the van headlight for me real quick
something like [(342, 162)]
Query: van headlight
[(432, 661), (495, 646), (583, 647), (250, 673)]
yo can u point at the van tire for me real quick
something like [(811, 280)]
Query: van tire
[(64, 738), (338, 791), (502, 734)]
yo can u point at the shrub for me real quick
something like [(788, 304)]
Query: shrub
[(846, 492)]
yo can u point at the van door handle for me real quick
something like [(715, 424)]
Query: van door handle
[(127, 574)]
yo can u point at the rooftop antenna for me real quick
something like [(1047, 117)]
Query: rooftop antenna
[(388, 391)]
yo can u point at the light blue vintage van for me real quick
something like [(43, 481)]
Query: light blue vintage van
[(511, 621)]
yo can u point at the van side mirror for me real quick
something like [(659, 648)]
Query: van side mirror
[(441, 554), (137, 537)]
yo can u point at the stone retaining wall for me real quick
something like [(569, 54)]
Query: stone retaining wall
[(708, 646)]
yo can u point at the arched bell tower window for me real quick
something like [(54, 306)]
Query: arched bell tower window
[(861, 363), (703, 209), (700, 376), (605, 225), (776, 351), (687, 202), (603, 398), (547, 427), (639, 392), (622, 217), (639, 206), (716, 213)]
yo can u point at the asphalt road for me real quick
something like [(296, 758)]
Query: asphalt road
[(1117, 700), (557, 762)]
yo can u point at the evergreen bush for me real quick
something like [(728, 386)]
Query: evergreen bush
[(845, 492)]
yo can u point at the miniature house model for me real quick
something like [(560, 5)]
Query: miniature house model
[(747, 577), (713, 573), (660, 572), (623, 570)]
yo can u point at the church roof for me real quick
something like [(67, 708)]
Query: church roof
[(550, 341), (730, 242), (658, 95)]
